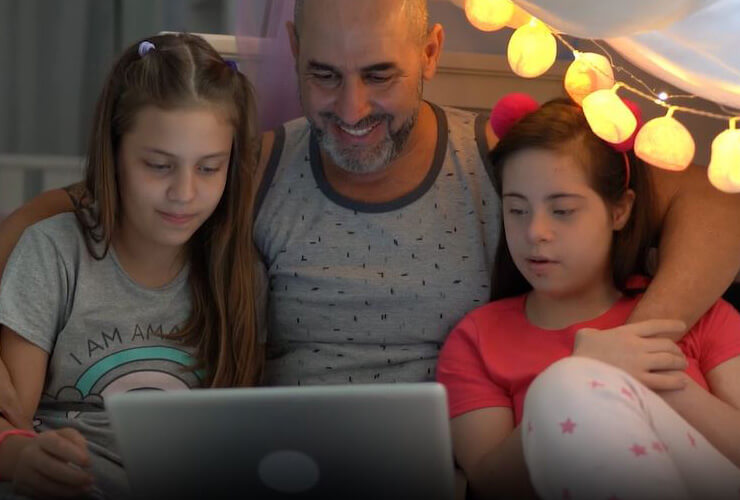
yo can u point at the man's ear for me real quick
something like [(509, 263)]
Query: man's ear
[(432, 49), (622, 210)]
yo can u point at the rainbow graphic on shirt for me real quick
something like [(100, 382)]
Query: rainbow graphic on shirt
[(95, 379)]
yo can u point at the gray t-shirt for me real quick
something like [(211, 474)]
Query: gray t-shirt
[(367, 292), (103, 332)]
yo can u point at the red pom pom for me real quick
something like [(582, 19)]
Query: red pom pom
[(509, 110), (625, 146)]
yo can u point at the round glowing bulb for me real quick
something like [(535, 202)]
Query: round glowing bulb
[(665, 143), (663, 96), (588, 73), (519, 18), (609, 117), (489, 15), (532, 49), (724, 166)]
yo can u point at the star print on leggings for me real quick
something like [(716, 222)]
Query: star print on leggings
[(568, 426), (638, 450)]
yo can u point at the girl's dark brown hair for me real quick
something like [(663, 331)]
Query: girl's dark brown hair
[(183, 71), (561, 127)]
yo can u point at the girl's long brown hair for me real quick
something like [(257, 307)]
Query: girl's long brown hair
[(184, 71), (560, 126)]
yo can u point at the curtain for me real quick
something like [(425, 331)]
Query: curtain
[(54, 56), (269, 63), (692, 44)]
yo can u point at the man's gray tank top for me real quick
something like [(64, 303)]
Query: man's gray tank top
[(367, 292)]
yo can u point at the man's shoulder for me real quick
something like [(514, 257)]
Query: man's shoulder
[(459, 118), (455, 111), (274, 139), (469, 121), (301, 121), (471, 127)]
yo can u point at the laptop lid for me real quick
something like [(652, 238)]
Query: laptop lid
[(379, 441)]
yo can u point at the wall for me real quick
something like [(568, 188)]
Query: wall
[(54, 56), (59, 52)]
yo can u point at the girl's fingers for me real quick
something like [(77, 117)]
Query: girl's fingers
[(60, 472), (74, 436), (665, 361), (662, 345), (655, 327), (65, 447), (663, 381)]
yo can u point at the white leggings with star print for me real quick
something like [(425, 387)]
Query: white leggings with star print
[(591, 431)]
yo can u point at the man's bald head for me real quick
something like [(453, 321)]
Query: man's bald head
[(361, 67), (416, 10)]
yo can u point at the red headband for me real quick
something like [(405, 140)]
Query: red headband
[(513, 107)]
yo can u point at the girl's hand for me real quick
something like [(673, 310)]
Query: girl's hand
[(636, 349), (52, 465)]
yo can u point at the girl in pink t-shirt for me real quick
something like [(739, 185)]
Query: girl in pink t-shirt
[(550, 393)]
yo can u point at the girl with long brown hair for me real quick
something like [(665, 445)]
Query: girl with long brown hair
[(150, 284)]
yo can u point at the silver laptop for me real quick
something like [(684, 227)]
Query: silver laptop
[(383, 441)]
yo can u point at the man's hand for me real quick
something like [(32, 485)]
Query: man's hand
[(640, 349)]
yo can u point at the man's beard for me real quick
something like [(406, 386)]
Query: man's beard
[(365, 159)]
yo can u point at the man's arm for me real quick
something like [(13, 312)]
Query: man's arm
[(699, 250), (41, 207)]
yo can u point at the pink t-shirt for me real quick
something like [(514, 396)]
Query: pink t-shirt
[(494, 353)]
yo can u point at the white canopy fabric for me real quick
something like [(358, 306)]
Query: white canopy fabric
[(691, 44), (699, 54), (608, 19)]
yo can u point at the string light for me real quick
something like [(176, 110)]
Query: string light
[(588, 73), (652, 95), (532, 49), (608, 116), (665, 143), (489, 15), (519, 18), (724, 166)]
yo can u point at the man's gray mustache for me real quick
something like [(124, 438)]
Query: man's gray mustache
[(366, 122)]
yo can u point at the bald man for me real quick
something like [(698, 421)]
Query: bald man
[(376, 216)]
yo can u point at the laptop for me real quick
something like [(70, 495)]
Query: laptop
[(379, 441)]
